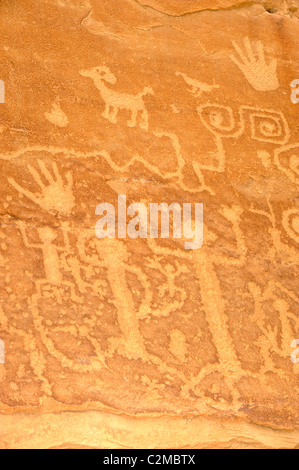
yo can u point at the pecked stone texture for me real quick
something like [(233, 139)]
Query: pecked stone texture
[(110, 342)]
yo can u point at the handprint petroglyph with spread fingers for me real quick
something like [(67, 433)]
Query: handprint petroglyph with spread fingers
[(260, 73), (55, 194)]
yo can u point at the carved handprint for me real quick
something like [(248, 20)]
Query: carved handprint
[(56, 196), (253, 65)]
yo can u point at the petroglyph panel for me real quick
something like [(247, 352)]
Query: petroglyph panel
[(164, 103)]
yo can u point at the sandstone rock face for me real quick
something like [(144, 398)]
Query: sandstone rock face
[(139, 342)]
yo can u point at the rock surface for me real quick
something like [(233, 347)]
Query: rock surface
[(109, 343)]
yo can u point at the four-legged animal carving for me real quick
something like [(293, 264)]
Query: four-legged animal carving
[(114, 100)]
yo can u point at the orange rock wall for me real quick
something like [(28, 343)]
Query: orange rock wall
[(113, 343)]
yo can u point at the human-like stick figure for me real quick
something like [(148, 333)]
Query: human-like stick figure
[(55, 196), (289, 219), (213, 302), (112, 255), (51, 261), (278, 338)]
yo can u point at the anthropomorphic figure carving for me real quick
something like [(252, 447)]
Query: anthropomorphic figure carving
[(278, 248), (112, 255), (213, 302), (274, 339)]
